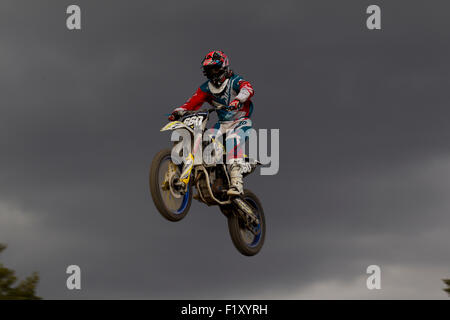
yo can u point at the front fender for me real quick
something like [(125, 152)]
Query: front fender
[(175, 125)]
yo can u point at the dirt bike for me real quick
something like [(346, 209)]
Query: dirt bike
[(171, 185)]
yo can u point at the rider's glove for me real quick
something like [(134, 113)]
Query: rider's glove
[(177, 113), (234, 105)]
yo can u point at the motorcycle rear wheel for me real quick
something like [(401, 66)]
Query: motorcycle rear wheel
[(243, 239)]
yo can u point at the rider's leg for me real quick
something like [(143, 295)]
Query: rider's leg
[(235, 145), (215, 150), (237, 181)]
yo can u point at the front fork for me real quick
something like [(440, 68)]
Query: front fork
[(189, 160), (187, 168)]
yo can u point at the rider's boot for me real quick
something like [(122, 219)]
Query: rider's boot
[(237, 183)]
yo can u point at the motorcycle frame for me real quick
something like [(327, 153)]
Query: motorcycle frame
[(208, 183), (187, 168)]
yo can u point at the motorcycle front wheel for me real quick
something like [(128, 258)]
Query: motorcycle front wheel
[(243, 239), (171, 203)]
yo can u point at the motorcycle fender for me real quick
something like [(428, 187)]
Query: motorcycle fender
[(175, 125)]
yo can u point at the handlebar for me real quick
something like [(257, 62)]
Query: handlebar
[(209, 110), (213, 109)]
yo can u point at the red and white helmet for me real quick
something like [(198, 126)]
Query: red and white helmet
[(216, 67)]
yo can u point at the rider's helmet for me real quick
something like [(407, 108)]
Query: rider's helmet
[(216, 67)]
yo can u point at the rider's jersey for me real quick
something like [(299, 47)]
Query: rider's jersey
[(233, 88)]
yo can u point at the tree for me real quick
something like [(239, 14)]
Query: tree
[(447, 282), (24, 290)]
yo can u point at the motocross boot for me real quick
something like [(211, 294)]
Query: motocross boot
[(237, 183)]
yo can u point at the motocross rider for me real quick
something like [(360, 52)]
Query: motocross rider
[(223, 87)]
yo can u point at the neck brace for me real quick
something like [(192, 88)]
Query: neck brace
[(218, 90)]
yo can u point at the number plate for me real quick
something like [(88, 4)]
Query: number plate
[(194, 121)]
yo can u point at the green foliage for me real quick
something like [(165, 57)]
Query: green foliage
[(24, 290), (447, 282)]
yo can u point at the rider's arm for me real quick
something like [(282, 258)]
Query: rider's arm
[(245, 90), (196, 101)]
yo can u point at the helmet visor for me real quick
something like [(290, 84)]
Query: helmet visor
[(214, 73)]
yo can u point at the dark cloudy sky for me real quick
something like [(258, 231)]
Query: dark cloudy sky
[(364, 147)]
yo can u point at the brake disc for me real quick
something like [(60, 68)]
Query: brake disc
[(170, 179)]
